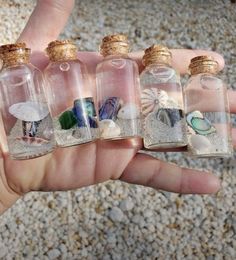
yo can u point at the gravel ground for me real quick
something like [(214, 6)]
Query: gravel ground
[(115, 220)]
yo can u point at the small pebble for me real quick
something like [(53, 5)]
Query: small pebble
[(3, 251), (127, 204), (116, 214), (53, 254)]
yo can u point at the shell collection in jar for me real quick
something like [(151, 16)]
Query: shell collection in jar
[(163, 119), (207, 110), (25, 114), (118, 90), (69, 93), (158, 111)]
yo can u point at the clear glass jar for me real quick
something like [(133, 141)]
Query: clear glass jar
[(69, 94), (118, 91), (25, 114), (207, 110), (163, 119)]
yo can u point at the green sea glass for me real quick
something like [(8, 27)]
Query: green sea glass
[(67, 120)]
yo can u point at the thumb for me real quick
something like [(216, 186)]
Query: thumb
[(46, 22)]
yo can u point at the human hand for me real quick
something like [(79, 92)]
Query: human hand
[(75, 167)]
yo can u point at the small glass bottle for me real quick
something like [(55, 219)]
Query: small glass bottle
[(207, 110), (25, 113), (163, 119), (118, 90), (69, 94)]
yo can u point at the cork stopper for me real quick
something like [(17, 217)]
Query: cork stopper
[(157, 54), (116, 44), (203, 64), (62, 50), (14, 54)]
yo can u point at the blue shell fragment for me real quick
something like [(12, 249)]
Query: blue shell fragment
[(109, 109), (85, 112), (169, 116)]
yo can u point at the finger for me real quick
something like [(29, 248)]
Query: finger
[(232, 101), (148, 171), (181, 58), (46, 22)]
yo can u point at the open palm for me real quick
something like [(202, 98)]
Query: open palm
[(78, 166)]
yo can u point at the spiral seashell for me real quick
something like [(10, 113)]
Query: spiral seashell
[(153, 98)]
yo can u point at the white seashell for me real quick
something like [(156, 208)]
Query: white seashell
[(152, 99), (200, 143), (129, 111), (29, 111), (194, 114), (108, 129)]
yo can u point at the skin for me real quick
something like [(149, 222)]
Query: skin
[(79, 166)]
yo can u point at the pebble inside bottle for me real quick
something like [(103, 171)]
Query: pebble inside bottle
[(207, 110), (25, 113), (163, 119), (118, 90), (70, 96)]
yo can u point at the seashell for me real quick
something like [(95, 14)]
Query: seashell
[(32, 141), (129, 111), (110, 108), (67, 120), (169, 116), (29, 111), (84, 111), (200, 143), (109, 129), (199, 123), (152, 99)]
